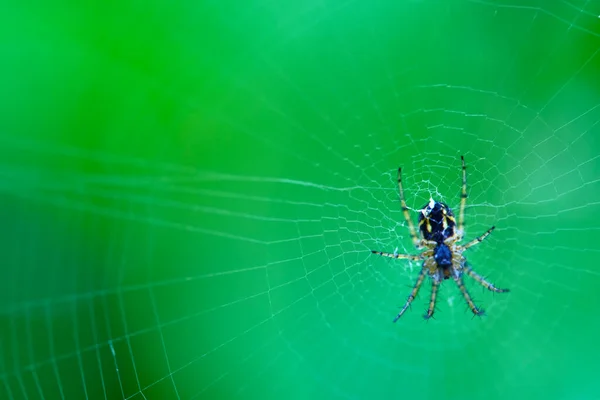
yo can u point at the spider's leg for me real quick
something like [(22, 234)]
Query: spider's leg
[(463, 199), (482, 280), (411, 226), (431, 309), (476, 310), (413, 257), (479, 239), (413, 293)]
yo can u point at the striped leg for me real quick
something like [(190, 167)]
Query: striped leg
[(413, 293), (431, 309), (463, 199), (474, 309), (411, 226), (482, 281), (412, 257), (479, 239)]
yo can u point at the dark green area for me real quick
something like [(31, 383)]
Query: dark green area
[(190, 193)]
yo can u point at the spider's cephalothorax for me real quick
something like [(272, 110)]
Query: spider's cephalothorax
[(443, 257)]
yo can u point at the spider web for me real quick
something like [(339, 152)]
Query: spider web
[(205, 231)]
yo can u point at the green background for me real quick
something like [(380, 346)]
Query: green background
[(190, 191)]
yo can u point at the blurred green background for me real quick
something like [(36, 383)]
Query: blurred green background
[(190, 191)]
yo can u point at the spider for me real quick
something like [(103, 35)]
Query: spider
[(443, 258)]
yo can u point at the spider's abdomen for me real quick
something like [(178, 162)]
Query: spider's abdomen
[(436, 221)]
